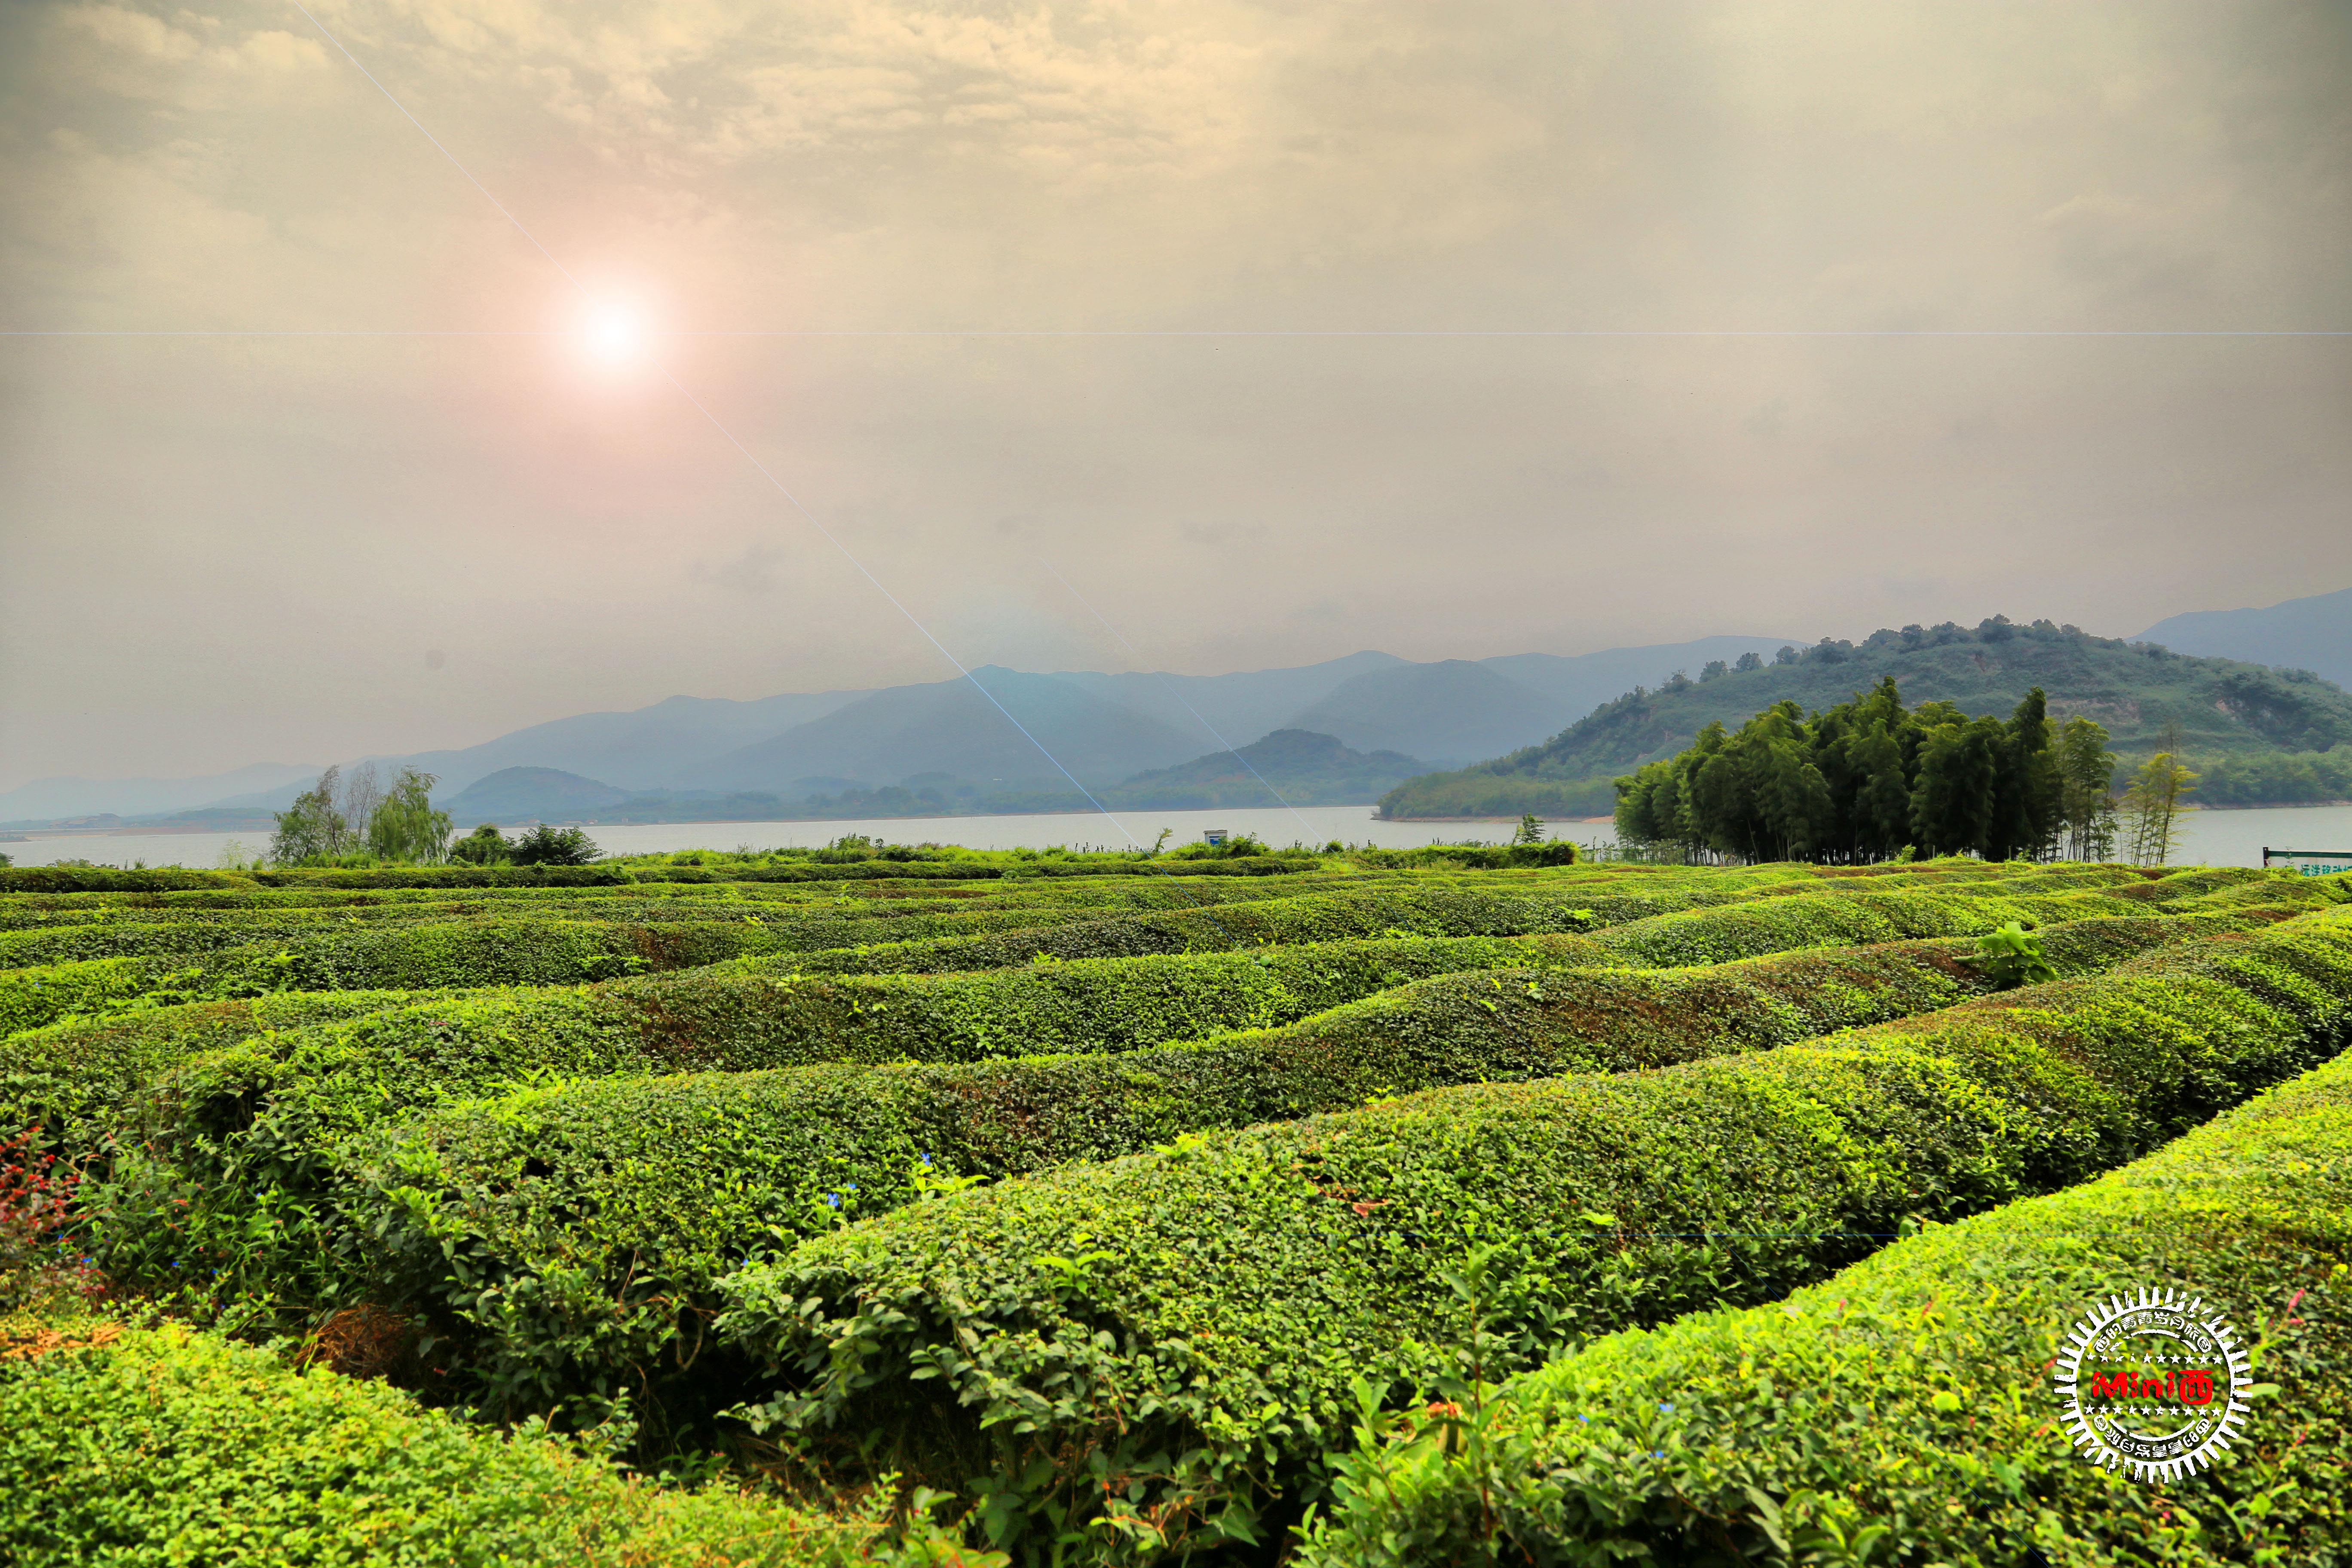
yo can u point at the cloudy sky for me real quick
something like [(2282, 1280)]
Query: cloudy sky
[(1281, 329)]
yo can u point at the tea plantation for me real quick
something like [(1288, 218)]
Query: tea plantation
[(1344, 1209)]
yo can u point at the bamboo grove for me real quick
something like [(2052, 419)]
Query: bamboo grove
[(1869, 780)]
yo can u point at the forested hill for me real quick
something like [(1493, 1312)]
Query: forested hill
[(2260, 734)]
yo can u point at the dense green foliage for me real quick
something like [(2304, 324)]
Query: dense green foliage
[(165, 1445), (1084, 1186), (1190, 1323), (2220, 708), (1869, 780), (1906, 1403)]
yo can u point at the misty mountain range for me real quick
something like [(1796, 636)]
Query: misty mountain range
[(1106, 729)]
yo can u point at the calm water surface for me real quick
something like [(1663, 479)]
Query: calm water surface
[(2213, 837)]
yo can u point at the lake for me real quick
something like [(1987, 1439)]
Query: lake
[(2214, 837)]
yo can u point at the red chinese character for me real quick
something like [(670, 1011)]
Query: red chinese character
[(2197, 1387)]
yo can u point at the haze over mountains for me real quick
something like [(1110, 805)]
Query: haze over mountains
[(1104, 728), (2314, 633), (947, 740)]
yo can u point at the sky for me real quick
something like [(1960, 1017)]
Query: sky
[(1279, 330)]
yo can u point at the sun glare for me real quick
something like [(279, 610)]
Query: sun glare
[(613, 334)]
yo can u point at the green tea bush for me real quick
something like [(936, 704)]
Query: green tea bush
[(1432, 910), (573, 1232), (1168, 1343), (1755, 917), (418, 1046), (172, 937), (576, 1230), (1282, 863), (446, 877), (1904, 1410), (316, 912), (32, 997), (1779, 924), (165, 1445), (76, 1079), (109, 878), (421, 955)]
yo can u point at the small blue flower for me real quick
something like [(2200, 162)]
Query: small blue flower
[(1667, 1407), (832, 1200)]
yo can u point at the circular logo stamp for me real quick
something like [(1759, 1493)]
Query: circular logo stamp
[(2154, 1385)]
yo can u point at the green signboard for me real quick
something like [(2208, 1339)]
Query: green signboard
[(2310, 862)]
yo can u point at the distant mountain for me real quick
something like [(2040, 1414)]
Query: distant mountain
[(2224, 709), (1572, 686), (45, 800), (1298, 767), (541, 794), (1237, 706), (1104, 727), (1454, 710), (1304, 768), (2314, 633), (947, 726)]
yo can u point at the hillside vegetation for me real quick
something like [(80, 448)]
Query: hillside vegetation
[(2258, 735)]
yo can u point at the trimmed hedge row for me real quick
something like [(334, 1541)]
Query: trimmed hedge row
[(107, 879), (570, 1225), (75, 1079), (102, 879), (430, 955), (1907, 1402), (30, 998), (1852, 915), (160, 1444), (76, 1076), (767, 931), (22, 910), (496, 950), (1168, 1343), (1782, 914), (1451, 909), (1281, 863)]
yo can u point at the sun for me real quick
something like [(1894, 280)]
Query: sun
[(614, 333)]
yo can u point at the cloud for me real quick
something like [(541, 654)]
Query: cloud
[(271, 528)]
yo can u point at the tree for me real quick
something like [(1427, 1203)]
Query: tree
[(313, 828), (1881, 811), (1952, 804), (1748, 661), (404, 827), (1864, 781), (485, 846), (2086, 773), (2026, 790), (545, 846), (2152, 808), (357, 801), (1531, 830)]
